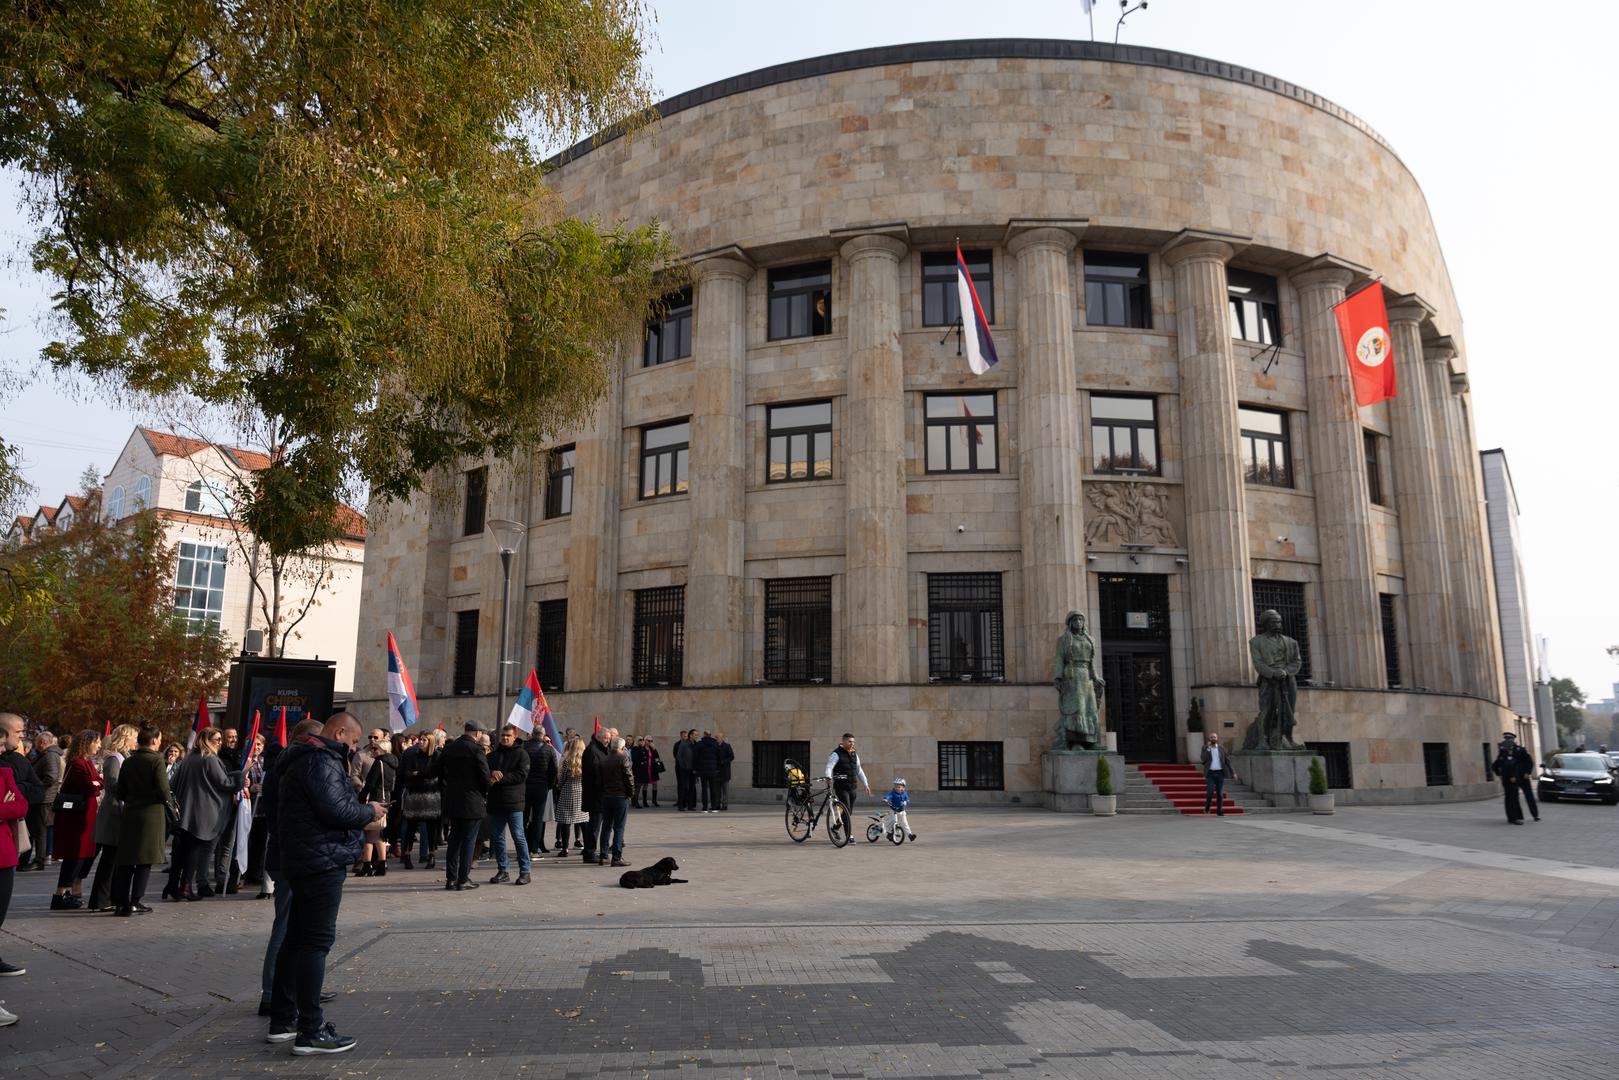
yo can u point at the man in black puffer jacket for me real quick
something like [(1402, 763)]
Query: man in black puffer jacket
[(590, 790), (318, 822), (508, 785), (464, 769), (542, 777)]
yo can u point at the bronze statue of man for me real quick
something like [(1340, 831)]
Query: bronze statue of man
[(1276, 658), (1078, 723)]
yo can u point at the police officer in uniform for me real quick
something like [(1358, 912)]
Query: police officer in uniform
[(1516, 769), (843, 767)]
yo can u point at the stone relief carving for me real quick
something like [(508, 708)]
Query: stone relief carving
[(1128, 513)]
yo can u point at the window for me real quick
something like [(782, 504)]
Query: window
[(961, 432), (770, 760), (970, 766), (199, 585), (799, 442), (1436, 763), (551, 654), (115, 503), (1286, 598), (1266, 454), (143, 495), (941, 300), (1116, 290), (964, 627), (660, 631), (800, 301), (668, 332), (466, 652), (1124, 434), (1374, 468), (798, 630), (1335, 761), (476, 486), (206, 497), (664, 457), (559, 482), (1391, 640), (1255, 312)]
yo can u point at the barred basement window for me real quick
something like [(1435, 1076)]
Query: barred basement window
[(941, 299), (1255, 309), (770, 761), (1436, 763), (1375, 489), (1266, 450), (798, 442), (1286, 598), (475, 488), (660, 632), (1124, 434), (466, 652), (964, 627), (668, 332), (800, 301), (1391, 641), (1335, 760), (970, 766), (960, 432), (798, 630), (665, 452), (559, 482), (1116, 290), (551, 654)]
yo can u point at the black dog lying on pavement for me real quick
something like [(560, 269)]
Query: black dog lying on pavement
[(659, 873)]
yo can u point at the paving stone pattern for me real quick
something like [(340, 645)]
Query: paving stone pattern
[(1002, 944)]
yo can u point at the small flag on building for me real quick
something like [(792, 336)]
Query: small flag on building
[(1363, 323), (402, 711), (203, 721), (975, 339)]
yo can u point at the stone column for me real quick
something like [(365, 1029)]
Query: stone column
[(1487, 677), (877, 615), (1051, 507), (716, 621), (593, 543), (1220, 618), (1343, 517), (1436, 356), (1420, 499)]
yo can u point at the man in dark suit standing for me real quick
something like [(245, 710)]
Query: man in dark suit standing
[(590, 790), (1517, 770), (465, 772)]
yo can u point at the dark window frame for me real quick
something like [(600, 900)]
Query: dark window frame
[(770, 757), (1255, 439), (679, 455), (658, 647), (1372, 446), (1122, 280), (1254, 297), (559, 467), (1288, 599), (939, 293), (1436, 764), (464, 673), (1132, 430), (798, 630), (796, 303), (668, 332), (808, 432), (551, 644), (979, 597), (1335, 761), (1391, 639), (972, 766), (975, 438), (475, 500)]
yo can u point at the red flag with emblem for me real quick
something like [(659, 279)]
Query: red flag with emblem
[(1363, 323)]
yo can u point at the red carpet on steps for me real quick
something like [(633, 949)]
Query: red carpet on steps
[(1182, 785)]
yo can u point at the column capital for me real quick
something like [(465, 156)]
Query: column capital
[(1459, 383), (1023, 234), (714, 267), (1327, 271), (880, 244), (1441, 350), (1409, 307), (1202, 245)]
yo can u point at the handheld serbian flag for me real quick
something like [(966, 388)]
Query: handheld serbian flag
[(1363, 323), (402, 711), (975, 337), (203, 722), (531, 708)]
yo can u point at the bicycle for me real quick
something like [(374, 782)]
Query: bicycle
[(805, 808), (886, 824)]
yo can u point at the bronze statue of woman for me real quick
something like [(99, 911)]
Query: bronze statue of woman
[(1077, 684)]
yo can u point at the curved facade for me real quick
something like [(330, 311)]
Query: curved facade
[(852, 531)]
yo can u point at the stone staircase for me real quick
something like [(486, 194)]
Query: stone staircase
[(1141, 795)]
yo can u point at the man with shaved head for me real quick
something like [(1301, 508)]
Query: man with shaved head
[(318, 823)]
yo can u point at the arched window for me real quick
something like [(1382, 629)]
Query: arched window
[(143, 495), (115, 504)]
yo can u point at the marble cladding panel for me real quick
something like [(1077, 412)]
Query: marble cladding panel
[(954, 514), (548, 550), (655, 533), (794, 520), (1281, 525)]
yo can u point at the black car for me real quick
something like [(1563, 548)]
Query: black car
[(1578, 776)]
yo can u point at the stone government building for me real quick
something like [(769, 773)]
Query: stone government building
[(798, 512)]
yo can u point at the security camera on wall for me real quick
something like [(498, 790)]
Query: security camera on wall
[(961, 528)]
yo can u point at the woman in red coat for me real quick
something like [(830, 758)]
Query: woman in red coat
[(75, 837)]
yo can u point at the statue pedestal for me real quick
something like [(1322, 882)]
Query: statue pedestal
[(1068, 778), (1282, 776)]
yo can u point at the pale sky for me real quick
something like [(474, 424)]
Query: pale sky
[(1501, 110)]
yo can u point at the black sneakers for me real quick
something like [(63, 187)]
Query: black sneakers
[(522, 879), (500, 878), (281, 1034), (324, 1041), (11, 969)]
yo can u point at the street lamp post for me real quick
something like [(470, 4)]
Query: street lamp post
[(508, 536)]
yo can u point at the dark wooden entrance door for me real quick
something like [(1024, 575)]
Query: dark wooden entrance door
[(1134, 640)]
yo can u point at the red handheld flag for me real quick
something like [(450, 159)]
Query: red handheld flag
[(252, 735), (598, 726), (281, 728), (1363, 324), (106, 732)]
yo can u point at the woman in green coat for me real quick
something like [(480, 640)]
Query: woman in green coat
[(143, 788)]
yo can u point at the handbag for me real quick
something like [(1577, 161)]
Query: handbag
[(421, 805), (69, 803), (24, 841)]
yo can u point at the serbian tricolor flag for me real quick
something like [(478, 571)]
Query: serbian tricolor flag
[(531, 708), (203, 721), (1363, 323), (974, 324), (402, 711)]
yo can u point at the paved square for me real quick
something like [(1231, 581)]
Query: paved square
[(1386, 942)]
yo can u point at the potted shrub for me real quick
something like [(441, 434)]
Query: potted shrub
[(1320, 797), (1104, 803), (1194, 732)]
